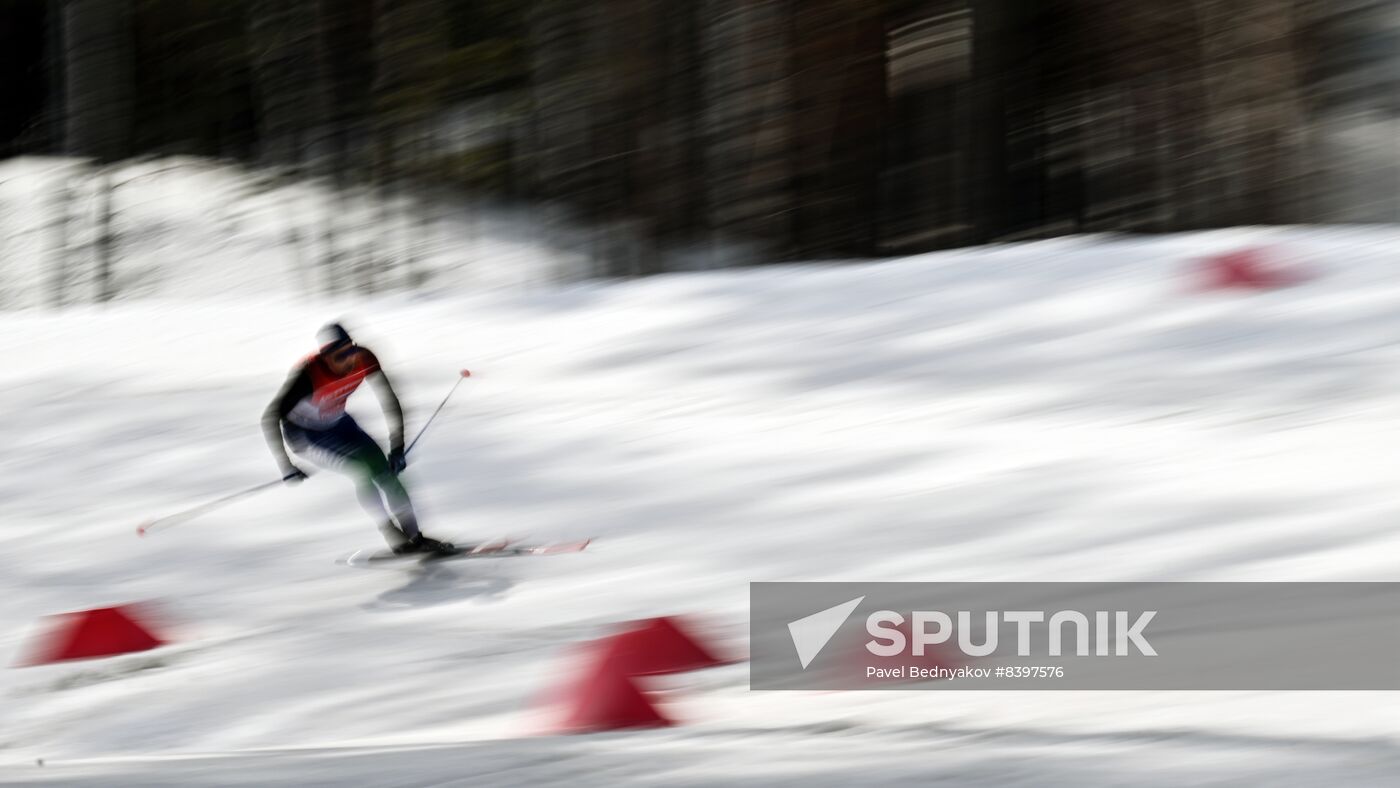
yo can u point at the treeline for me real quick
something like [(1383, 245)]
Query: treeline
[(794, 128), (326, 85)]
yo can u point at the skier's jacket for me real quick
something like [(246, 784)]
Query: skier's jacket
[(314, 398)]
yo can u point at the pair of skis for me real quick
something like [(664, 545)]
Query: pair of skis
[(498, 549)]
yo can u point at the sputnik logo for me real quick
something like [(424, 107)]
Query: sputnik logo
[(810, 634)]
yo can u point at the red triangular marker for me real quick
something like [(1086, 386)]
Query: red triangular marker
[(606, 699), (102, 632), (1245, 268), (658, 646)]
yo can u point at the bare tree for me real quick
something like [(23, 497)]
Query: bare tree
[(98, 66)]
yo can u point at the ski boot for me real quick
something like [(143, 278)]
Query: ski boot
[(418, 543)]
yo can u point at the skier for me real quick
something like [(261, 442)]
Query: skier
[(309, 413)]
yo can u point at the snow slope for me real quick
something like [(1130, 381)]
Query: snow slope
[(1059, 410)]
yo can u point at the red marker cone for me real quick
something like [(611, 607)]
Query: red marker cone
[(657, 646), (1245, 268), (605, 699), (102, 632)]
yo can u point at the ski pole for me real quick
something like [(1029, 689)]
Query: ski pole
[(465, 374), (171, 520)]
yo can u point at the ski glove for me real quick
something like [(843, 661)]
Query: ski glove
[(398, 460), (294, 475)]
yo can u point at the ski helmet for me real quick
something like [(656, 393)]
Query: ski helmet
[(332, 335)]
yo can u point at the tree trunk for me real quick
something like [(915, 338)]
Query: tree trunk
[(292, 85), (99, 78), (748, 122), (839, 79)]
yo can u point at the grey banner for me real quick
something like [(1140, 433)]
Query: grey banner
[(1062, 636)]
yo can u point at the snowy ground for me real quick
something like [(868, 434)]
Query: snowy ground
[(1052, 411)]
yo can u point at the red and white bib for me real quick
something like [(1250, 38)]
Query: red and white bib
[(325, 404)]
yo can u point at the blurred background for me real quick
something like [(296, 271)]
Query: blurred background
[(1084, 311), (653, 136)]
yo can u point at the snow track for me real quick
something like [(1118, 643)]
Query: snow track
[(1062, 410)]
